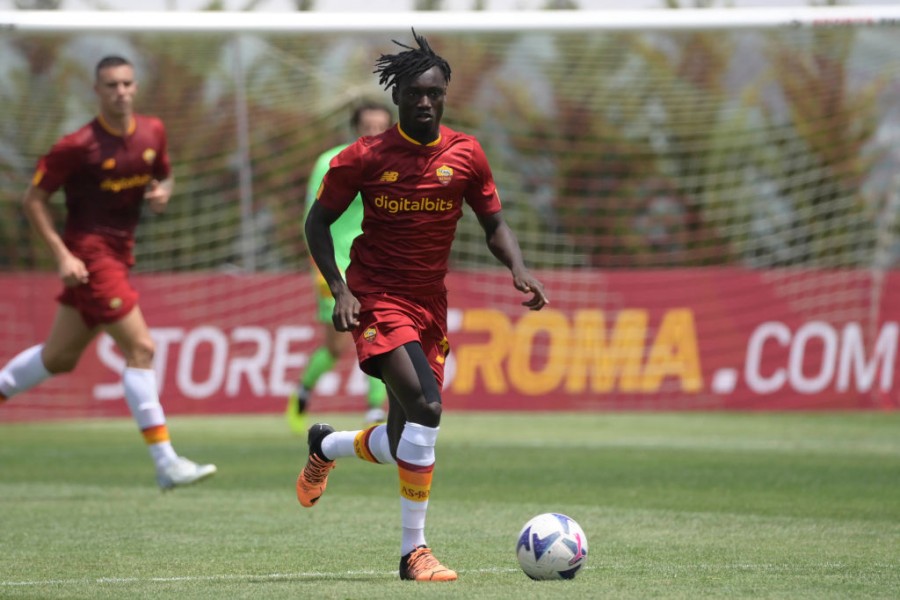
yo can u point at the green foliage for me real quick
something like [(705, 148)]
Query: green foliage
[(612, 150), (833, 122)]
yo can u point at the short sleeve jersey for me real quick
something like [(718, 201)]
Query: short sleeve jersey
[(413, 197), (349, 224), (104, 175)]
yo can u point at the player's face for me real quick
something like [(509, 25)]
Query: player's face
[(116, 88), (373, 122), (420, 103)]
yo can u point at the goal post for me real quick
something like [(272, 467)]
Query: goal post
[(709, 196)]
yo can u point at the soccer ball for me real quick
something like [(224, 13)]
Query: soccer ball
[(551, 546)]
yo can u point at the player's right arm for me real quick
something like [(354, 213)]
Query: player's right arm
[(36, 205), (321, 247), (315, 182), (339, 187)]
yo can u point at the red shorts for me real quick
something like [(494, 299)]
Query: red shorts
[(387, 322), (108, 295)]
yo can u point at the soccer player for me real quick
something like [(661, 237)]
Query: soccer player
[(369, 118), (108, 168), (413, 179)]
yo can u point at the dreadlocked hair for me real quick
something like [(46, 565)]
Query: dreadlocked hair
[(412, 62)]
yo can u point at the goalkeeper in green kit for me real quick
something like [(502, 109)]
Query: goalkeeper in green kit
[(367, 119)]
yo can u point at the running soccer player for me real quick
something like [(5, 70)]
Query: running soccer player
[(413, 179), (108, 168), (369, 118)]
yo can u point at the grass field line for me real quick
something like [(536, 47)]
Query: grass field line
[(309, 575), (364, 574)]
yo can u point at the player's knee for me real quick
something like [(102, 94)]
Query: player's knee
[(434, 409), (140, 354), (427, 414)]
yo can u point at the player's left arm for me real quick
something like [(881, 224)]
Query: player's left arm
[(159, 190), (158, 193), (503, 244)]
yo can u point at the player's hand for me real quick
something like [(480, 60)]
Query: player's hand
[(526, 283), (346, 311), (72, 271), (157, 195)]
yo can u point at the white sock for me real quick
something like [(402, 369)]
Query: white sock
[(372, 444), (380, 445), (339, 444), (142, 397), (417, 443), (412, 539), (416, 447), (23, 372), (162, 453), (143, 401)]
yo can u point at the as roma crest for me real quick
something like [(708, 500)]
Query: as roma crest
[(444, 174)]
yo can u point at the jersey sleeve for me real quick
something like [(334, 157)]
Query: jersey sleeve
[(481, 193), (344, 179), (63, 159)]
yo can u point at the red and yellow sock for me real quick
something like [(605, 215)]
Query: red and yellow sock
[(372, 445), (361, 445), (156, 434), (415, 481)]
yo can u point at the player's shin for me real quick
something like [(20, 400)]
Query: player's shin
[(415, 464), (143, 401)]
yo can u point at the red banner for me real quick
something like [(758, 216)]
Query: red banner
[(685, 339)]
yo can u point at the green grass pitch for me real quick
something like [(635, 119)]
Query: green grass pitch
[(688, 506)]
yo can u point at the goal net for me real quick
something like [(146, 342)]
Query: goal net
[(710, 197)]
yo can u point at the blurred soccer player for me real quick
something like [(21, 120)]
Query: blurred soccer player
[(369, 118), (413, 179), (108, 168)]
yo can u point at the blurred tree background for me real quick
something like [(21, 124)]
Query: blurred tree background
[(611, 149)]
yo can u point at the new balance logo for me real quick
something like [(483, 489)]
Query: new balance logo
[(390, 176)]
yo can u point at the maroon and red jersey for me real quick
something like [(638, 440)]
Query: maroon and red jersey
[(413, 196), (104, 175)]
